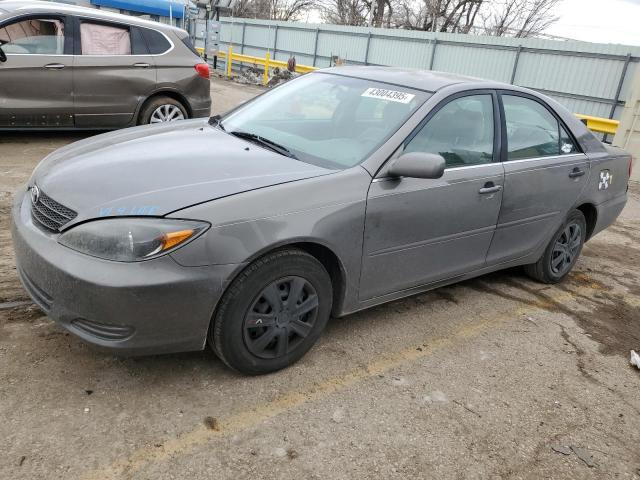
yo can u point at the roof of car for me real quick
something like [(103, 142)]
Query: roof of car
[(427, 80), (34, 6)]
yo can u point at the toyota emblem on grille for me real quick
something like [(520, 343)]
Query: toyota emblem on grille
[(35, 194)]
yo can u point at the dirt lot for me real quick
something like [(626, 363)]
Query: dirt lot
[(478, 380)]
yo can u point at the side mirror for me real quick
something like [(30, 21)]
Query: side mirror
[(418, 165), (3, 56)]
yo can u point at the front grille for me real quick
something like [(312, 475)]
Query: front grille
[(49, 214)]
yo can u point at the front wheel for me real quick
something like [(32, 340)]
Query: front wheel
[(273, 313), (562, 252)]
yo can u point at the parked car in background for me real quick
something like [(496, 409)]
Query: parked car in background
[(63, 66), (337, 191)]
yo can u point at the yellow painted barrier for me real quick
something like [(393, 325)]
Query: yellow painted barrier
[(267, 62), (265, 77), (598, 124), (229, 63)]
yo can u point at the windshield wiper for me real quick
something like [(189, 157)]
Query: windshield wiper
[(216, 121), (265, 142)]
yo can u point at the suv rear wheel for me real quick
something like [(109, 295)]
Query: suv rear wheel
[(162, 109), (273, 313)]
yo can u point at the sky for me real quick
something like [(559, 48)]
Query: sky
[(600, 21)]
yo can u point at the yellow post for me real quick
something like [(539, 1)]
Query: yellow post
[(265, 78), (229, 60)]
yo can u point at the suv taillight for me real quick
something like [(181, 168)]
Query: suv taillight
[(203, 70)]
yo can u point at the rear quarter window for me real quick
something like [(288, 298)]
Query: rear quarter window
[(187, 43), (156, 42)]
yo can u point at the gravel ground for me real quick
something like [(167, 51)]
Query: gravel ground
[(497, 377)]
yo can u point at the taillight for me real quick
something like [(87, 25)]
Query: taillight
[(203, 70)]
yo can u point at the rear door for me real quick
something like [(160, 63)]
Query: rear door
[(36, 79), (544, 174), (113, 73), (420, 231)]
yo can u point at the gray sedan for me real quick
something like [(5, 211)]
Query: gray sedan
[(338, 191)]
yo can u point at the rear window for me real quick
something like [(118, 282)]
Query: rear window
[(156, 42), (187, 42)]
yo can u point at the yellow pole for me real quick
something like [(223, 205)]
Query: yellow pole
[(265, 78), (229, 61)]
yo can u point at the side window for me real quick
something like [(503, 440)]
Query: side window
[(104, 39), (138, 45), (532, 131), (567, 145), (35, 36), (156, 41), (461, 131)]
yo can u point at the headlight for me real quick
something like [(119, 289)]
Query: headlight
[(131, 239)]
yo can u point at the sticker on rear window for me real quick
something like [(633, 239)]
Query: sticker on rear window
[(391, 95)]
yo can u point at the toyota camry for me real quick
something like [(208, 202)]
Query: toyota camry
[(340, 190)]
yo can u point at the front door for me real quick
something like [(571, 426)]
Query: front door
[(36, 79), (420, 231), (544, 175), (113, 73)]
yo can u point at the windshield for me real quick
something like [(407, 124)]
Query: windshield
[(326, 120)]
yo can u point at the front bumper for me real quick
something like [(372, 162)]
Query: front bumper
[(155, 306)]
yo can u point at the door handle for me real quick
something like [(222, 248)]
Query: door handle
[(54, 66), (576, 172), (490, 187), (141, 65)]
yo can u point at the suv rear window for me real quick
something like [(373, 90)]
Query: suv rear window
[(187, 42), (156, 42)]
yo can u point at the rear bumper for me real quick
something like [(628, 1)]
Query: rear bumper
[(608, 212), (156, 306)]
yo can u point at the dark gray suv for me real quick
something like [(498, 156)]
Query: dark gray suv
[(65, 66)]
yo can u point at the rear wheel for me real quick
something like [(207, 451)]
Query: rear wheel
[(162, 109), (562, 252), (273, 313)]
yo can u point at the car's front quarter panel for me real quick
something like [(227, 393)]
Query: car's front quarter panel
[(153, 306), (328, 210)]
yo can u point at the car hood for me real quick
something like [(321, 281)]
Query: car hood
[(155, 170)]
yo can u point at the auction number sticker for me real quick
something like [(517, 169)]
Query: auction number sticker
[(391, 95)]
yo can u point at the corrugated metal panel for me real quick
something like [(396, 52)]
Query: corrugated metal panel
[(388, 51), (583, 76), (296, 40), (580, 75), (349, 48), (490, 64)]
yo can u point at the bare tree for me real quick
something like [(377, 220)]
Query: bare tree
[(285, 10), (457, 16), (346, 12), (518, 18)]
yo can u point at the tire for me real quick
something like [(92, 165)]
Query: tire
[(551, 268), (166, 104), (255, 329)]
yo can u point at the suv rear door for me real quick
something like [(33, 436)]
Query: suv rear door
[(36, 79), (545, 173), (113, 72)]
